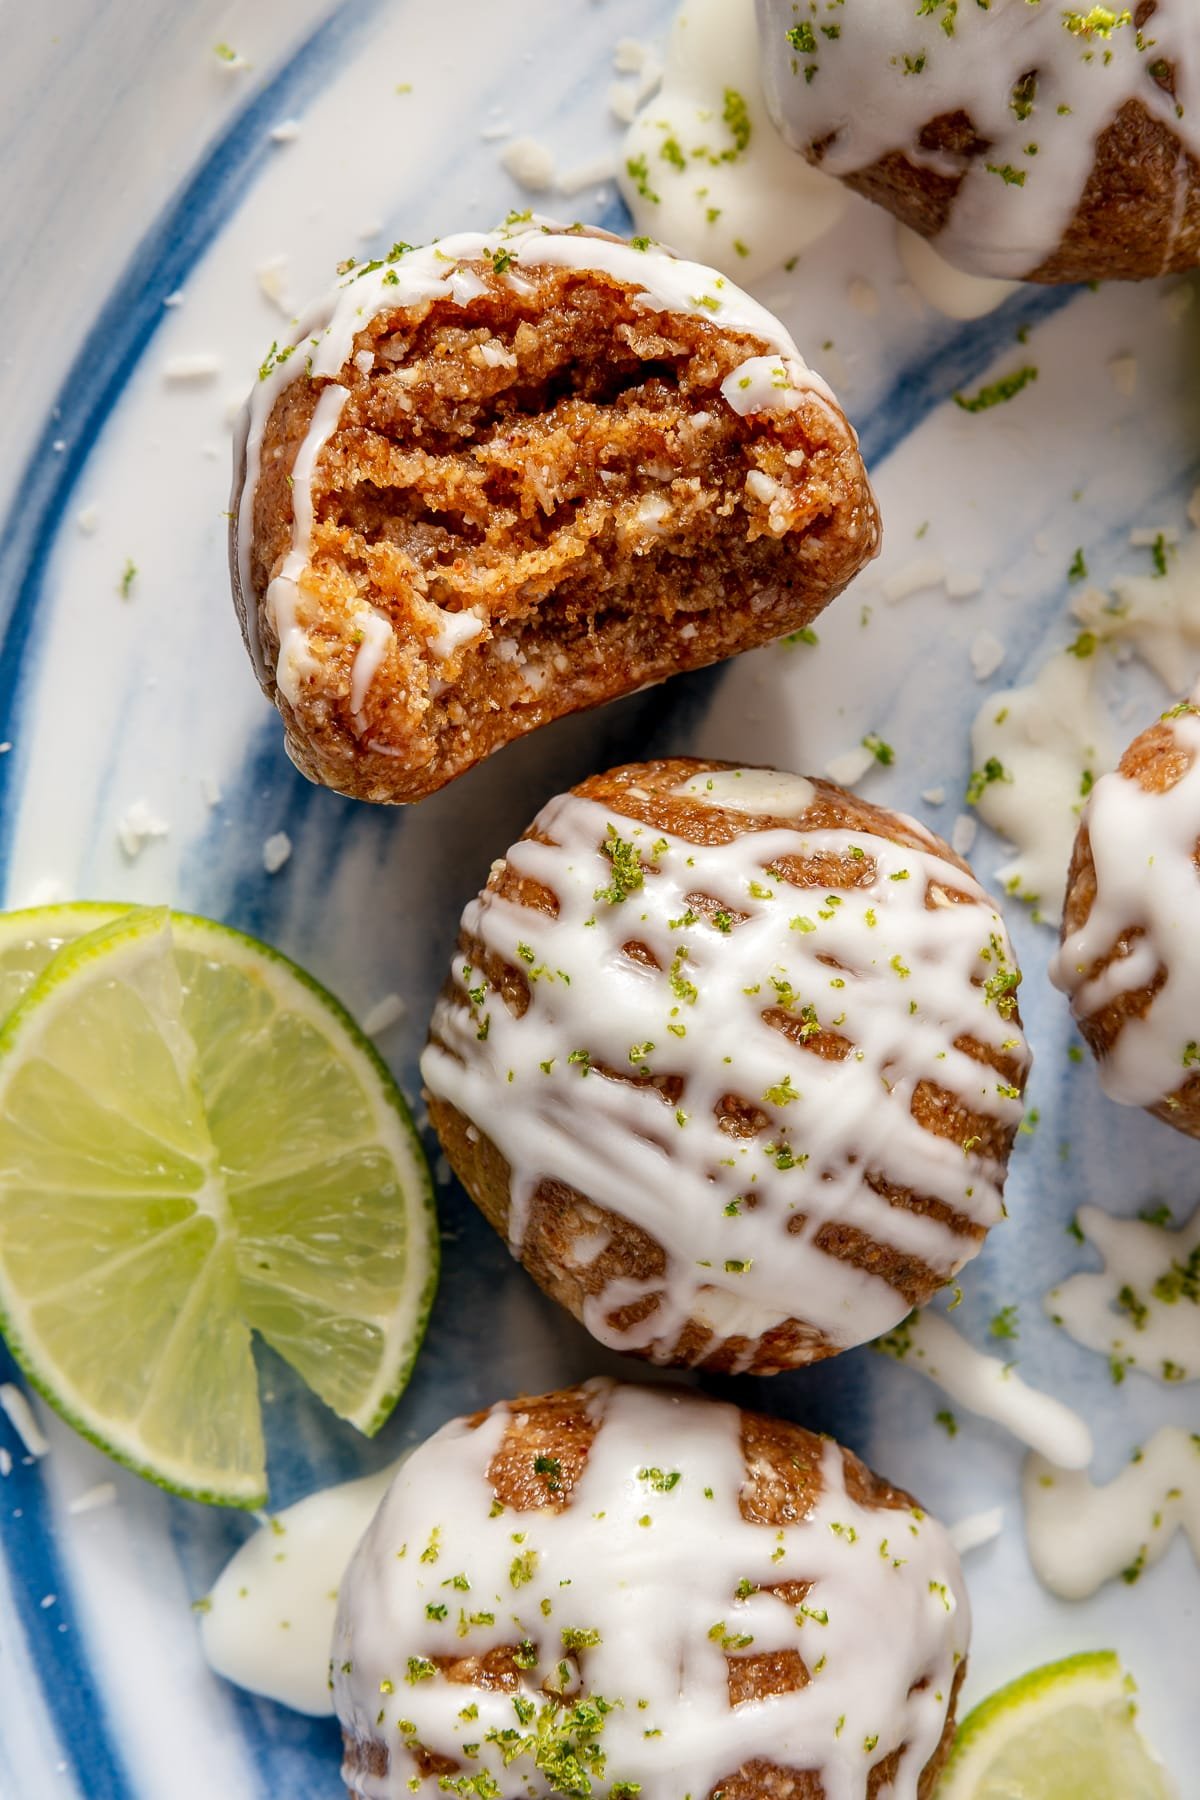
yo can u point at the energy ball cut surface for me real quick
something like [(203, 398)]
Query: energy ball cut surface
[(509, 476)]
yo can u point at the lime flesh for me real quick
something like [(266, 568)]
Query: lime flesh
[(1062, 1732), (196, 1143)]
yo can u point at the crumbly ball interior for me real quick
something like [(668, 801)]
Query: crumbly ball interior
[(560, 462)]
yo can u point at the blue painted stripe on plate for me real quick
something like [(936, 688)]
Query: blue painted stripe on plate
[(117, 340), (52, 1632), (957, 357), (120, 334)]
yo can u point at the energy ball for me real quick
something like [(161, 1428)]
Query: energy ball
[(517, 473), (1033, 142), (1131, 923), (733, 1061), (639, 1592)]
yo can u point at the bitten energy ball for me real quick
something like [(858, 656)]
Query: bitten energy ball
[(629, 1592), (1130, 954), (733, 1061), (518, 473), (1034, 141)]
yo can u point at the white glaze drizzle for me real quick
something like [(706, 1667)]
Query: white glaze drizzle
[(991, 1388), (324, 345), (283, 592), (951, 291), (1142, 846), (901, 992), (890, 71), (653, 1570), (736, 198), (1143, 1309), (268, 1622), (1081, 1535), (1157, 615), (1048, 740), (751, 791), (377, 637)]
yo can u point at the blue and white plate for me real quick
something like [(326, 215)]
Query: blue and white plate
[(163, 207)]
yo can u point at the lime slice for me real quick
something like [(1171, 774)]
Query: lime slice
[(196, 1142), (28, 940), (1062, 1732)]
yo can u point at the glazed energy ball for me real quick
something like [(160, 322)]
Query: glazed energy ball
[(1037, 142), (1131, 923), (659, 1593), (733, 1061), (518, 473)]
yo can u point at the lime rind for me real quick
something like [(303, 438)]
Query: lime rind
[(88, 931)]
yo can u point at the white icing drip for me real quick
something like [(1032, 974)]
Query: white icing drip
[(1157, 615), (978, 1529), (762, 791), (1049, 738), (889, 72), (324, 346), (900, 990), (1146, 881), (655, 1576), (377, 638), (269, 1618), (951, 291), (992, 1389), (1081, 1535), (295, 658), (1144, 1309), (739, 201)]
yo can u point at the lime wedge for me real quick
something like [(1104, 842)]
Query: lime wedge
[(28, 940), (196, 1143), (1062, 1732)]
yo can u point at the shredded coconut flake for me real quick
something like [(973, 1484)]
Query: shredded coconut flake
[(851, 766), (385, 1013), (200, 365), (20, 1416), (275, 851), (272, 278), (963, 584), (914, 578), (103, 1494), (962, 838), (137, 826), (529, 163), (979, 1529), (987, 653)]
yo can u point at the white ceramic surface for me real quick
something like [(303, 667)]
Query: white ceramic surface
[(137, 164)]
